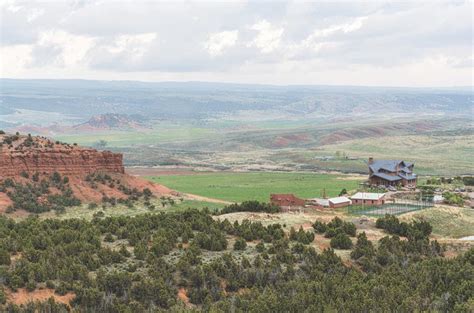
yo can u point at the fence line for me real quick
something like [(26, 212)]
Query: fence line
[(395, 208)]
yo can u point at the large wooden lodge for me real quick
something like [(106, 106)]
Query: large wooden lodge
[(391, 173)]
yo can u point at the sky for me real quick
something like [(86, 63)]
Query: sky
[(372, 43)]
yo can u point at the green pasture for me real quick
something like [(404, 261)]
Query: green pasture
[(156, 135), (257, 186)]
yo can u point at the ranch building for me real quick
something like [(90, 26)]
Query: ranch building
[(339, 202), (391, 173), (368, 198)]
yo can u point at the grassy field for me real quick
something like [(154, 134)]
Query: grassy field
[(168, 132), (446, 221), (139, 208), (257, 186), (446, 155)]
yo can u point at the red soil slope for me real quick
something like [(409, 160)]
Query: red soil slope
[(20, 155)]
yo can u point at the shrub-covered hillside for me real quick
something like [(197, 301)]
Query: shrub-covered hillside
[(185, 261)]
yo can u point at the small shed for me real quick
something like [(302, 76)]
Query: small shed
[(339, 202), (318, 202), (368, 198)]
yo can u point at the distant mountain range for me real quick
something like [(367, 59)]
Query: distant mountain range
[(44, 102), (113, 121), (97, 123)]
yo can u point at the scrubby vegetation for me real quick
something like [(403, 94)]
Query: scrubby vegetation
[(415, 229), (250, 206), (338, 230), (334, 227), (142, 263), (453, 198), (40, 195)]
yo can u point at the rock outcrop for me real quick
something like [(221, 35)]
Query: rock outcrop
[(29, 154)]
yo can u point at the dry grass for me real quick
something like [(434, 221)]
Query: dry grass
[(447, 221)]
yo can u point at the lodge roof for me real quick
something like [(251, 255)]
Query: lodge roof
[(404, 169), (390, 165), (387, 177)]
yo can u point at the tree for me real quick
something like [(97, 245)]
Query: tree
[(363, 247), (343, 192), (4, 257), (341, 241), (319, 227), (240, 244)]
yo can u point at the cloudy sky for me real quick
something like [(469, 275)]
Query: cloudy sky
[(417, 43)]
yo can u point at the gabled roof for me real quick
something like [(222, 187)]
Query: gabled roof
[(387, 177), (379, 167), (407, 176), (338, 200), (389, 165), (367, 196)]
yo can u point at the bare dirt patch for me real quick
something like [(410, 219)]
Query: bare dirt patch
[(22, 296), (4, 202), (182, 295), (155, 171), (352, 177), (189, 196)]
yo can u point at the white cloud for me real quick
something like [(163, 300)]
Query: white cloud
[(71, 49), (283, 42), (268, 38), (218, 42), (11, 6), (34, 14), (345, 28), (14, 59), (135, 45)]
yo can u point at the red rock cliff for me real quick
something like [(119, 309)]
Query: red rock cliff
[(38, 154)]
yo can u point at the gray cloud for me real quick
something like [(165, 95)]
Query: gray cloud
[(231, 40)]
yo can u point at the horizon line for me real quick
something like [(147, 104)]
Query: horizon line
[(239, 83)]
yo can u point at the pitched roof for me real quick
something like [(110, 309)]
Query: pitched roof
[(387, 177), (377, 167), (389, 165), (338, 200), (323, 202), (407, 176), (367, 196)]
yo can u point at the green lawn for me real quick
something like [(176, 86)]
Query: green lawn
[(256, 186)]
